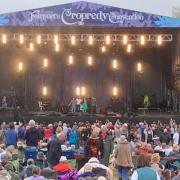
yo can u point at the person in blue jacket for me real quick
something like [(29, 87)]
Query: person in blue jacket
[(11, 136), (72, 137)]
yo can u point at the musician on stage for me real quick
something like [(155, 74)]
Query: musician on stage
[(4, 102)]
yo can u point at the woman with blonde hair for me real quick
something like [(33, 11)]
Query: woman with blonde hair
[(155, 159)]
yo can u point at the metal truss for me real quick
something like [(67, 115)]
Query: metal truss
[(85, 37)]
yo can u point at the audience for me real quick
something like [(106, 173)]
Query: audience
[(101, 150)]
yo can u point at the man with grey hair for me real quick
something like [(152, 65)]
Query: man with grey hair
[(32, 135)]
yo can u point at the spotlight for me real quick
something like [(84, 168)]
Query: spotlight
[(159, 40), (73, 40), (56, 47), (21, 39), (125, 39), (129, 48), (114, 65), (114, 91), (31, 46), (83, 91), (142, 40), (77, 91), (90, 40), (44, 91), (45, 63), (38, 39), (90, 63), (108, 40), (4, 39), (56, 39), (139, 67), (103, 49), (70, 61), (20, 66)]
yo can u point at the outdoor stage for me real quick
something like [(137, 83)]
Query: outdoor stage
[(52, 116)]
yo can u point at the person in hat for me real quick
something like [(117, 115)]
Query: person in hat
[(98, 169), (123, 157), (87, 171), (63, 165)]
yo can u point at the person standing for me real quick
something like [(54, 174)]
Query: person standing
[(54, 150), (123, 157), (73, 105), (32, 135), (11, 136), (176, 137), (143, 170), (84, 106)]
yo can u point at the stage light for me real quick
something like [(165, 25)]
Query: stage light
[(103, 49), (142, 40), (83, 91), (159, 40), (21, 39), (77, 91), (129, 48), (20, 66), (45, 63), (4, 39), (31, 46), (56, 39), (114, 64), (108, 39), (44, 91), (56, 47), (73, 40), (139, 67), (90, 63), (38, 39), (125, 39), (71, 60), (114, 91), (90, 40)]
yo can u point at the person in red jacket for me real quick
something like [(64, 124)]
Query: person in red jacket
[(48, 131), (63, 166)]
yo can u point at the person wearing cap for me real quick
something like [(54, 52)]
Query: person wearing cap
[(63, 165), (32, 135), (123, 157)]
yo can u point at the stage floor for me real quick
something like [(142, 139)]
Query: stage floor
[(52, 116)]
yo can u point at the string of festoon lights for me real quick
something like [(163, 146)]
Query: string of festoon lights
[(105, 40)]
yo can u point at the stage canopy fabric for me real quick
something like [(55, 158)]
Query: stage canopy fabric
[(107, 13)]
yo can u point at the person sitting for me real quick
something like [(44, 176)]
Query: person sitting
[(62, 166), (98, 169), (40, 161), (87, 171), (36, 174), (11, 170), (143, 170)]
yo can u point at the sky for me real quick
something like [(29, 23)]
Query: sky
[(158, 7)]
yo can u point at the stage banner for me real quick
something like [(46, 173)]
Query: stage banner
[(88, 15)]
